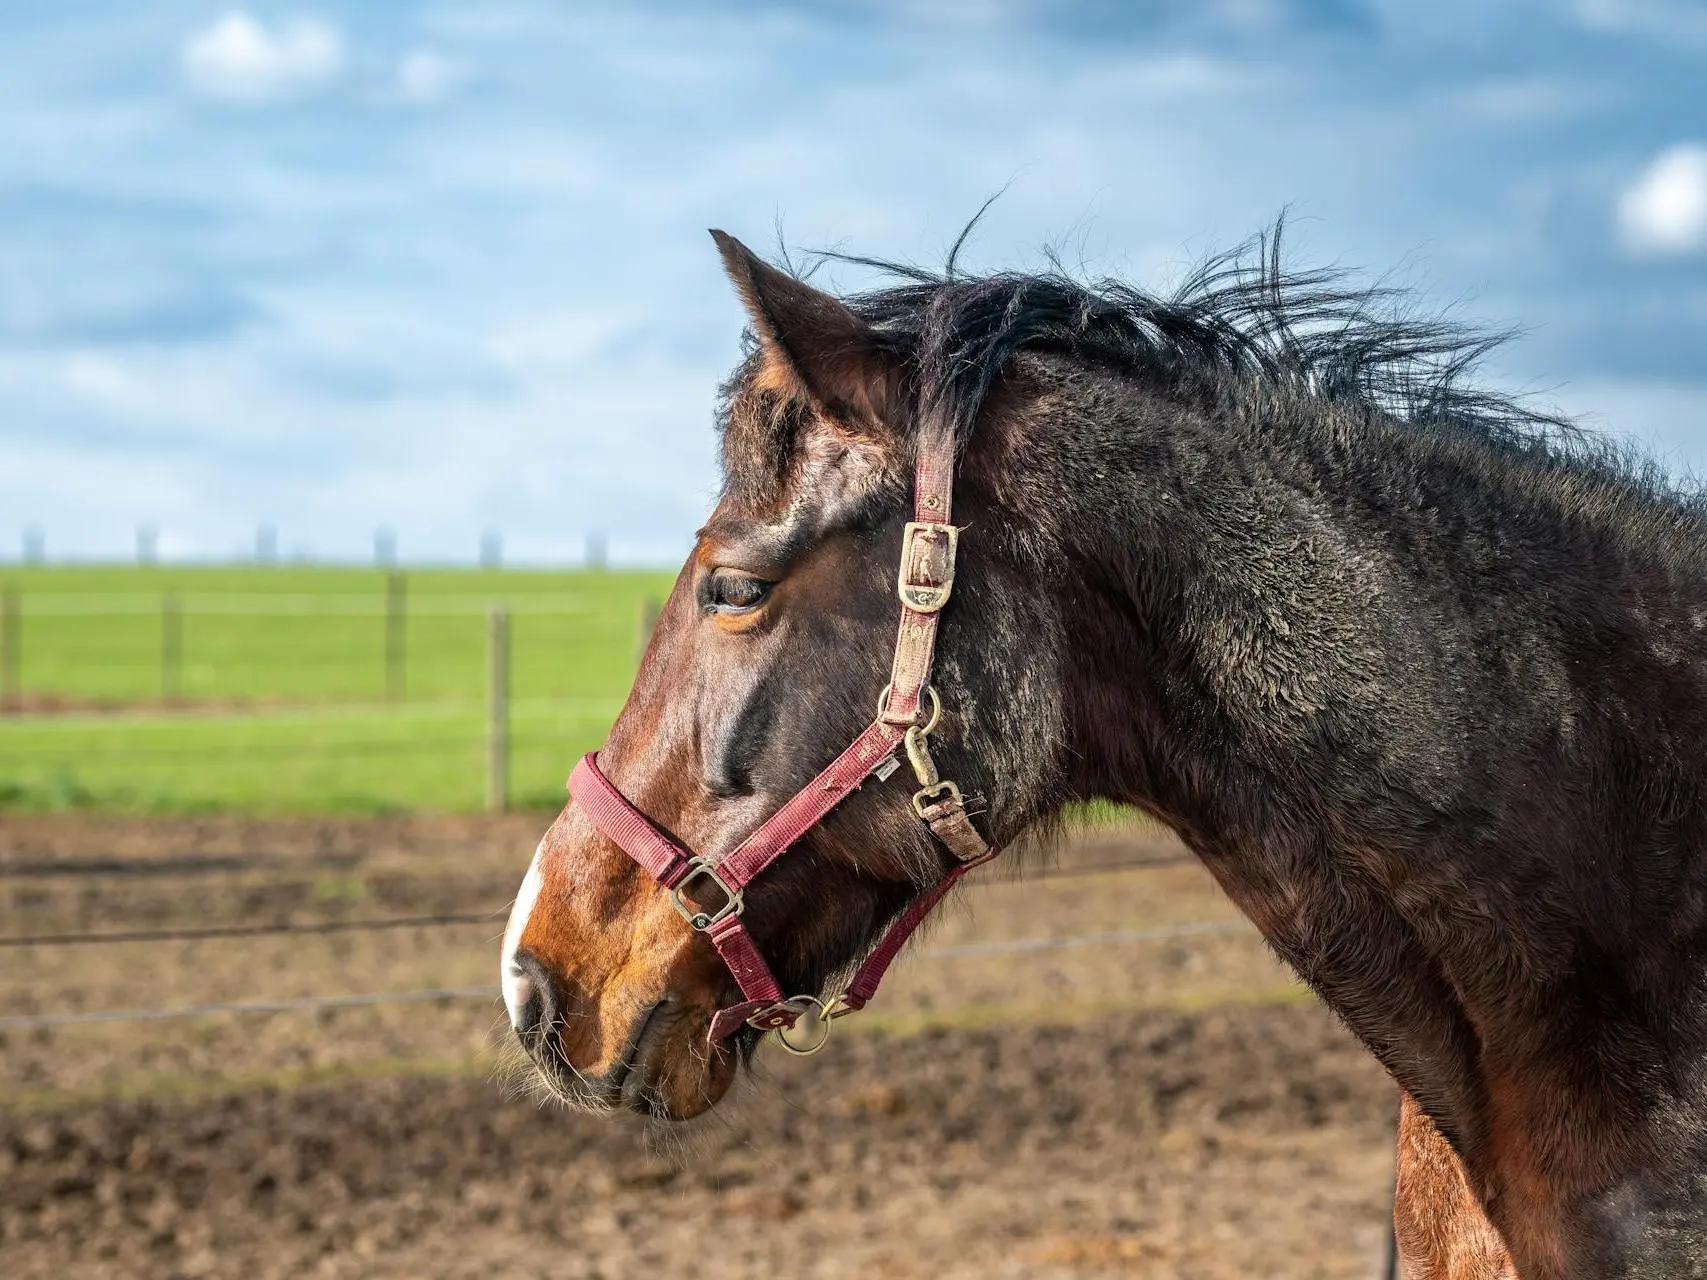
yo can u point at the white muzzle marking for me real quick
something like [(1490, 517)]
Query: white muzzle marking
[(517, 986)]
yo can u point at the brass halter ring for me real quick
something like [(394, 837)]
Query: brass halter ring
[(812, 1028), (936, 707)]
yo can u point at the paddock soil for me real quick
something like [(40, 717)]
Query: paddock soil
[(1146, 1102)]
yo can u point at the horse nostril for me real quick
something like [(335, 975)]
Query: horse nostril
[(535, 1009)]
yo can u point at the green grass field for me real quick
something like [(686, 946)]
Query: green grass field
[(280, 700)]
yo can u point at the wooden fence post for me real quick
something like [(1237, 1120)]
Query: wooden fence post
[(395, 616), (11, 616), (498, 712), (171, 648)]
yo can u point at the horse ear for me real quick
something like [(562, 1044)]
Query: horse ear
[(811, 342)]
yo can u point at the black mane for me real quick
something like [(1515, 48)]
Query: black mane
[(1240, 319)]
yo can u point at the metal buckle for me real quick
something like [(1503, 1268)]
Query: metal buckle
[(923, 794), (698, 918), (926, 597), (813, 1019)]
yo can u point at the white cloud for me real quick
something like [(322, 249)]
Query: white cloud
[(424, 76), (1664, 211), (242, 59)]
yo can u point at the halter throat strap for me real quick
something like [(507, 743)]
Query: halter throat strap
[(907, 711)]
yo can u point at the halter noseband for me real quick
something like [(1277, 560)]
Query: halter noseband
[(924, 583)]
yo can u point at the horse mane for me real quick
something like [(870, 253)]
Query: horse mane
[(1242, 322), (1240, 314)]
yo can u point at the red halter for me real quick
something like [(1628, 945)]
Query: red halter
[(925, 581)]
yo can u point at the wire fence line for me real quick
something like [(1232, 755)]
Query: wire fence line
[(205, 932), (92, 866), (31, 1022), (300, 604), (1014, 946), (167, 755), (157, 739), (277, 710)]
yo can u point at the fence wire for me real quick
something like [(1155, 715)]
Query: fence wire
[(1016, 946), (204, 932)]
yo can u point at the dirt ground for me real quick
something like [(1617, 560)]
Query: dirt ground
[(1142, 1102)]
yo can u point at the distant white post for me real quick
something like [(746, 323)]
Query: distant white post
[(498, 711), (396, 619), (11, 691), (171, 648)]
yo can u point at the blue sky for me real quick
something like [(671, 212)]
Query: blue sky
[(443, 267)]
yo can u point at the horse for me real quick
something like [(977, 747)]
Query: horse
[(1413, 668)]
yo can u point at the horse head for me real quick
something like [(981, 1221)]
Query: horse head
[(775, 650)]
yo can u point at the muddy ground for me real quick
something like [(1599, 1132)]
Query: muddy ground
[(1142, 1102)]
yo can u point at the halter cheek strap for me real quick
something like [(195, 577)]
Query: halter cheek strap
[(903, 726)]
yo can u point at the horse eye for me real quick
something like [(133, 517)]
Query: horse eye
[(733, 592)]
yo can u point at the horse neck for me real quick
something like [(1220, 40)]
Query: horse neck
[(1246, 657)]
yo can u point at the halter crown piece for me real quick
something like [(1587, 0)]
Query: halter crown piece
[(924, 584)]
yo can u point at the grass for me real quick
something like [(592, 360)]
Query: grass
[(280, 701)]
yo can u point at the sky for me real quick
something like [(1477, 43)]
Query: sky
[(443, 268)]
